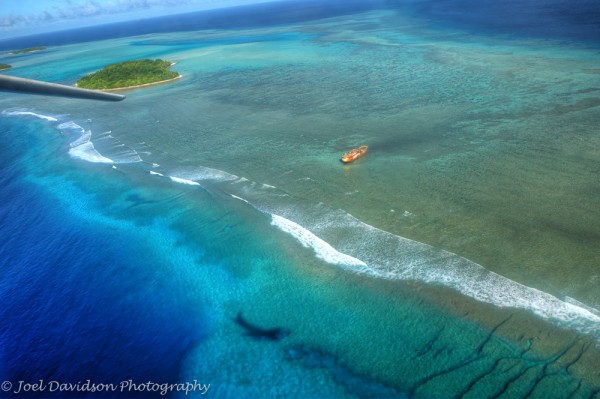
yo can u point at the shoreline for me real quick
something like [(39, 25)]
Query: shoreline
[(140, 85), (136, 86)]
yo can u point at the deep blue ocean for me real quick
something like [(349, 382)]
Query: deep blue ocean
[(77, 303)]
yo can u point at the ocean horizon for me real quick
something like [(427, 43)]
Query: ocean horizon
[(574, 21), (203, 233)]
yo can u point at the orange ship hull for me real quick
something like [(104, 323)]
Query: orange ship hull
[(354, 154)]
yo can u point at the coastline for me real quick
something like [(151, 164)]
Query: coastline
[(141, 85)]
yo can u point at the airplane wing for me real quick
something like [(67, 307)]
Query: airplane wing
[(11, 83)]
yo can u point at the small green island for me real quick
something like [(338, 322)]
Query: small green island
[(129, 74), (26, 50), (5, 66)]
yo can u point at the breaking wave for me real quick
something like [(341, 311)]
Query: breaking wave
[(393, 257), (103, 149), (28, 113), (322, 249), (82, 147), (184, 181), (340, 239)]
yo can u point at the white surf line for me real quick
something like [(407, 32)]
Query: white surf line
[(203, 173), (385, 255), (120, 153), (87, 152), (184, 181), (239, 198), (407, 259), (83, 148), (582, 305), (378, 253), (322, 249), (17, 113), (375, 252), (70, 125)]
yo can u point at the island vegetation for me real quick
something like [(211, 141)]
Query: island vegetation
[(129, 74), (26, 50), (5, 66)]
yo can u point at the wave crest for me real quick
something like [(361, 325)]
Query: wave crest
[(341, 239), (322, 249), (81, 144)]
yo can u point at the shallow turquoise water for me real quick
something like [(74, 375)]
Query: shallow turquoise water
[(480, 148)]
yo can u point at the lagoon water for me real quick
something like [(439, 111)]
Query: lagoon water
[(459, 258)]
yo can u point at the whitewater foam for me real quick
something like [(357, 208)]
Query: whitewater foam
[(239, 198), (118, 151), (341, 239), (184, 181), (322, 249), (87, 152), (202, 173), (80, 148), (396, 257), (70, 125), (30, 113), (576, 303), (83, 148)]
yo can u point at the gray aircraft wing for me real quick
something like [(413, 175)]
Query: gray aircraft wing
[(12, 83)]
